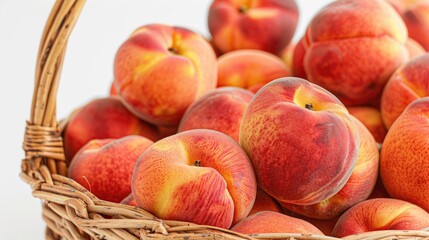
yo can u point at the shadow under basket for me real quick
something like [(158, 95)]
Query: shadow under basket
[(72, 212)]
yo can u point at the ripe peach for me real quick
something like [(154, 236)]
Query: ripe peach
[(301, 140), (354, 59), (326, 226), (250, 69), (267, 25), (220, 109), (105, 167), (358, 187), (381, 214), (201, 176), (407, 84), (160, 70), (298, 59), (379, 190), (103, 118), (371, 118), (274, 222), (414, 48), (264, 202), (415, 14), (287, 54), (404, 163)]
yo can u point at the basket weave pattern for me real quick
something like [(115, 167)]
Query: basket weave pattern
[(72, 212)]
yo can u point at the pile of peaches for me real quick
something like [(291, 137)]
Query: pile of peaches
[(249, 131)]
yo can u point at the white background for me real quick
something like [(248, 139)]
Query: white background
[(102, 27)]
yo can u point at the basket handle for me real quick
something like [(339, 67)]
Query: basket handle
[(43, 143)]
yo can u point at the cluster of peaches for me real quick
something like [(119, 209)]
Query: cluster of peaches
[(251, 132)]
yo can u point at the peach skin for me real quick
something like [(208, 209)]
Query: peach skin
[(103, 118), (200, 176), (104, 167), (265, 202), (274, 222), (160, 70), (298, 59), (250, 69), (287, 54), (415, 14), (301, 140), (220, 109), (414, 48), (354, 59), (404, 163), (266, 25), (407, 84), (381, 214), (358, 187), (371, 118)]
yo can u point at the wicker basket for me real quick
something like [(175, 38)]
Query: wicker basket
[(72, 212)]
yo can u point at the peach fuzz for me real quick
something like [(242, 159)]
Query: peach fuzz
[(274, 222), (103, 118), (354, 59), (264, 202), (371, 118), (404, 163), (220, 109), (105, 167), (160, 70), (358, 187), (408, 83), (267, 25), (381, 214), (200, 176), (301, 140), (250, 69), (415, 14)]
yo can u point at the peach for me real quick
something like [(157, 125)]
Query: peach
[(414, 48), (371, 118), (381, 214), (407, 84), (250, 69), (287, 54), (129, 200), (298, 59), (103, 118), (379, 190), (160, 70), (267, 25), (112, 90), (354, 59), (220, 110), (105, 167), (415, 14), (358, 187), (274, 222), (404, 163), (200, 176), (301, 140), (326, 226), (264, 202)]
